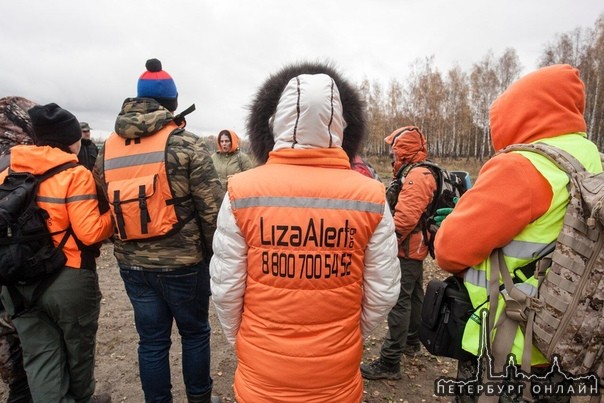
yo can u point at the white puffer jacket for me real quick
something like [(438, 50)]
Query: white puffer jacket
[(302, 122)]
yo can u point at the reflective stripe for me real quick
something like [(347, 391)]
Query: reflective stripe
[(308, 202), (478, 278), (523, 249), (138, 159), (57, 200)]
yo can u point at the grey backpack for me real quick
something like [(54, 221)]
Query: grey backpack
[(566, 318)]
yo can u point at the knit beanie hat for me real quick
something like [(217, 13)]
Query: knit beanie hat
[(54, 125), (157, 84)]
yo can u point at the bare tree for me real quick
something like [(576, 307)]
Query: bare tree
[(584, 49), (454, 112), (484, 88), (458, 114)]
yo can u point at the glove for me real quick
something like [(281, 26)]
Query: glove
[(442, 213)]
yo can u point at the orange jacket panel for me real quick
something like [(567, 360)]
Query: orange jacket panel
[(413, 200), (300, 327)]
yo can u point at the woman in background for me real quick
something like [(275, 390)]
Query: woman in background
[(228, 159)]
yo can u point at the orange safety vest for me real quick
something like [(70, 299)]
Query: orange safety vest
[(138, 189), (300, 328)]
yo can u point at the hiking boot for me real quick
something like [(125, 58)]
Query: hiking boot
[(101, 398), (377, 369), (206, 397), (411, 350)]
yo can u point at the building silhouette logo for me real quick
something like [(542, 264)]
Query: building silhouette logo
[(512, 381)]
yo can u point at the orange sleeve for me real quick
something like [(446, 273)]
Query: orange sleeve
[(83, 209), (509, 193), (415, 196)]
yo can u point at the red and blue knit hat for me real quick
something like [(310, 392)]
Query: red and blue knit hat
[(157, 84)]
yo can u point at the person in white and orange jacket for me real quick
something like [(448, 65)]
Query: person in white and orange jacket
[(58, 334), (304, 258)]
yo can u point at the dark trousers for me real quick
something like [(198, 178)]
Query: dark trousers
[(405, 317), (58, 336)]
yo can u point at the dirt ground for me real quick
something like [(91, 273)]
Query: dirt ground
[(117, 367)]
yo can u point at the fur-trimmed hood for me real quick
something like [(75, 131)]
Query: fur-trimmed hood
[(306, 105)]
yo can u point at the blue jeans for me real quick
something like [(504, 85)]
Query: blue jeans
[(158, 298)]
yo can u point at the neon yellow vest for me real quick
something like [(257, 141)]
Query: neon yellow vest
[(535, 236)]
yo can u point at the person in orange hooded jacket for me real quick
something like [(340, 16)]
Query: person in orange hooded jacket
[(408, 146), (58, 335), (304, 258), (519, 198), (228, 158)]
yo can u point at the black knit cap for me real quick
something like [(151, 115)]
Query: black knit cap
[(54, 125)]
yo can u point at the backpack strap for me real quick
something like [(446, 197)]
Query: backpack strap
[(559, 157), (519, 307), (180, 118), (56, 170), (438, 176), (52, 172)]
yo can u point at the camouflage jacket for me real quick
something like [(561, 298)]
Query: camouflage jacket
[(190, 171), (15, 124)]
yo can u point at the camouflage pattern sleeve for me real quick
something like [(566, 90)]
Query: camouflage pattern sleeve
[(98, 171), (11, 354), (203, 185)]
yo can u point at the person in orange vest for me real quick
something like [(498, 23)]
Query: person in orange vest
[(58, 333), (164, 195), (304, 261)]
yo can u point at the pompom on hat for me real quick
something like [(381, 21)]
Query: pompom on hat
[(54, 125), (158, 84)]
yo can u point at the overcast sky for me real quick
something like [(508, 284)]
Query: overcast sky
[(87, 55)]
